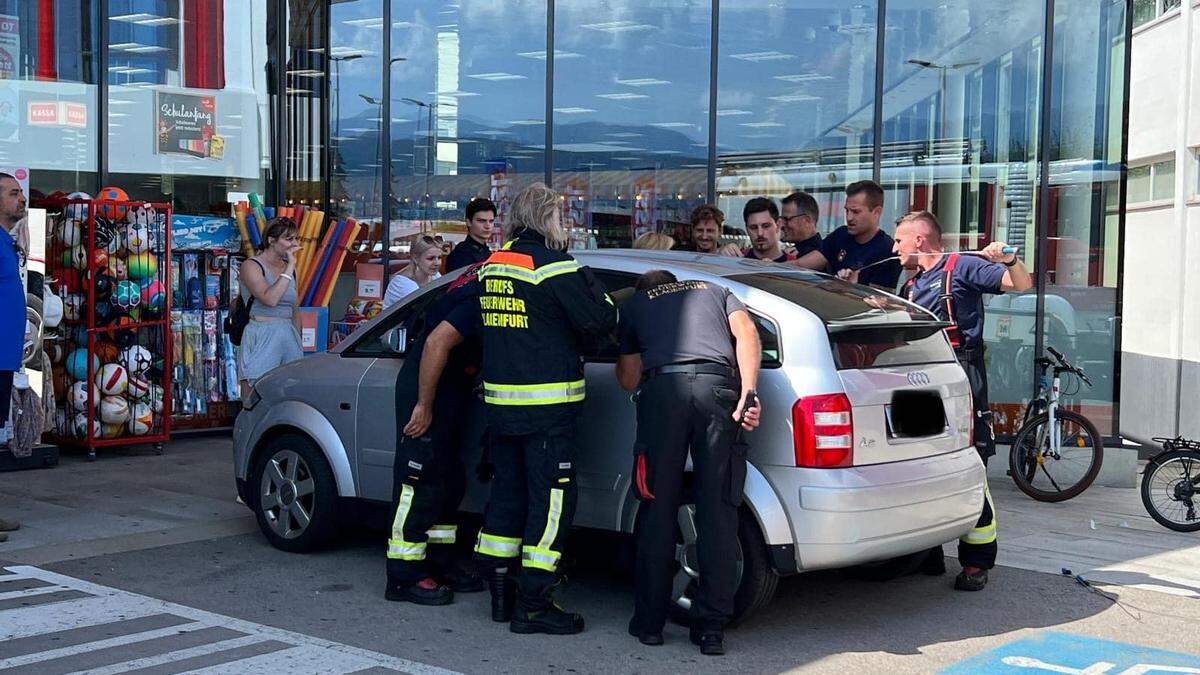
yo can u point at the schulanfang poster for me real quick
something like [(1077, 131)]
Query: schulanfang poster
[(186, 125)]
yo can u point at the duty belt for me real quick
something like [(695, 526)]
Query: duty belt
[(690, 369)]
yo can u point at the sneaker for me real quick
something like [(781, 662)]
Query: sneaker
[(710, 640), (648, 638), (9, 525), (425, 592), (971, 579)]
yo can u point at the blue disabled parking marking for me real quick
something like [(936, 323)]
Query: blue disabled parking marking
[(1075, 655)]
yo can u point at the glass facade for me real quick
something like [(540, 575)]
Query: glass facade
[(1006, 123)]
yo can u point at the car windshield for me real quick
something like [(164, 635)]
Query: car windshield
[(836, 302)]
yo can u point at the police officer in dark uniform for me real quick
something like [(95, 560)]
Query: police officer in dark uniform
[(694, 351), (436, 384), (952, 286), (537, 305)]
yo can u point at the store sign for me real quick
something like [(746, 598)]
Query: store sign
[(57, 114), (43, 113), (10, 45), (186, 125), (194, 233)]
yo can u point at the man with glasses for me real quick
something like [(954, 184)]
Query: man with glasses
[(798, 227)]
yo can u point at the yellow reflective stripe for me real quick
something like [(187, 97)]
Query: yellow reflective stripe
[(498, 547), (985, 534), (539, 558), (398, 548), (534, 394), (442, 534), (534, 277), (555, 269), (553, 514)]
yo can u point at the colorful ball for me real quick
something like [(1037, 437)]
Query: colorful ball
[(138, 387), (79, 335), (154, 294), (81, 395), (137, 238), (61, 382), (77, 211), (73, 306), (136, 359), (79, 425), (114, 410), (117, 269), (127, 294), (141, 419), (112, 194), (69, 233), (141, 265), (112, 379), (77, 364), (99, 259), (112, 430), (107, 352), (104, 285)]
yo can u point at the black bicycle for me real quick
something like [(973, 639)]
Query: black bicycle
[(1057, 453), (1170, 484)]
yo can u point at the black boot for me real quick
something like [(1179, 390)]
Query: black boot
[(710, 640), (462, 581), (971, 579), (537, 612), (504, 591), (424, 592)]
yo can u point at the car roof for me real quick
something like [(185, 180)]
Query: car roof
[(701, 263)]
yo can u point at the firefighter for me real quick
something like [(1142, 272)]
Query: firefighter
[(952, 286), (694, 351), (436, 383), (537, 305)]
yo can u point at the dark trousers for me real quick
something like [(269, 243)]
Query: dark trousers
[(678, 412), (532, 505), (978, 547), (428, 484), (6, 389)]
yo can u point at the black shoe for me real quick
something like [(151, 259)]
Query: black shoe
[(425, 592), (504, 594), (537, 612), (648, 638), (462, 581), (934, 564), (710, 640), (971, 579)]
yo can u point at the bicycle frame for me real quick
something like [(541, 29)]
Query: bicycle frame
[(1048, 394)]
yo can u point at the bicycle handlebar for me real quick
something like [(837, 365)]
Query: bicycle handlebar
[(1064, 366)]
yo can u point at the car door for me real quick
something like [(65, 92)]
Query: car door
[(607, 427), (375, 402)]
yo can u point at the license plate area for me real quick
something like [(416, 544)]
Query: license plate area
[(916, 414)]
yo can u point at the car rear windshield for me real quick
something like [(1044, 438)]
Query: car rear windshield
[(834, 301), (889, 346)]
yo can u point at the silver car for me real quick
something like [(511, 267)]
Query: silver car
[(864, 455)]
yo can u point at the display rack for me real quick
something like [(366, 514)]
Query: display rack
[(109, 260)]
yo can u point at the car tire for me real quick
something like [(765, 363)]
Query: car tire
[(887, 570), (758, 582), (294, 495)]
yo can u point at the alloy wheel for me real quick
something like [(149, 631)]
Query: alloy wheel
[(687, 555), (287, 494)]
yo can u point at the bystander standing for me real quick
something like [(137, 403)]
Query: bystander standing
[(12, 303)]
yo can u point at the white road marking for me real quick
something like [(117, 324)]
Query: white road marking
[(306, 655)]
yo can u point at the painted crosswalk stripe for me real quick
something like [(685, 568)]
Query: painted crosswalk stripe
[(102, 631)]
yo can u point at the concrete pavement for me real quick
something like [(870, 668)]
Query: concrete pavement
[(140, 526)]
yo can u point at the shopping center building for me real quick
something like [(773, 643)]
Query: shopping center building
[(1007, 119)]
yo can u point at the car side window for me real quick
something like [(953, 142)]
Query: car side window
[(395, 334)]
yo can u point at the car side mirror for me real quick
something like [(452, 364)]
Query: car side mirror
[(396, 339)]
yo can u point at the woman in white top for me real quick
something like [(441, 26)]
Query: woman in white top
[(425, 258)]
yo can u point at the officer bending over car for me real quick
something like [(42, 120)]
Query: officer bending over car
[(694, 351), (952, 286), (436, 383)]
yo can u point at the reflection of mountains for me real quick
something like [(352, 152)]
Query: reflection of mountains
[(482, 147)]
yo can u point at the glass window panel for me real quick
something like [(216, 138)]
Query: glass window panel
[(631, 88), (357, 108), (48, 121), (1164, 180), (1138, 184), (1144, 10), (962, 92), (304, 96), (188, 126), (1085, 162), (795, 101), (467, 110), (1169, 5)]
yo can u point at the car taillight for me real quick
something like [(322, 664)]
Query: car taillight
[(824, 431)]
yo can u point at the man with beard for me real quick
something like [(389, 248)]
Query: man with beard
[(798, 227)]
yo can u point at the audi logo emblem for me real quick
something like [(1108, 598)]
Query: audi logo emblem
[(918, 378)]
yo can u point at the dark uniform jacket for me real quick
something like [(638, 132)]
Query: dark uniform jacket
[(536, 305), (467, 252)]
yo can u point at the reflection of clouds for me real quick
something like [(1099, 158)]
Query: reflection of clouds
[(507, 16)]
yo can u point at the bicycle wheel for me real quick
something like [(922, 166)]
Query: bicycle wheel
[(1049, 477), (1170, 489)]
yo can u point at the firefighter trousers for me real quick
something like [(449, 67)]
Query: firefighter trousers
[(977, 548), (532, 505), (428, 484), (679, 412)]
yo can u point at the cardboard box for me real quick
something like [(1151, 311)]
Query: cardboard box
[(368, 281), (313, 325)]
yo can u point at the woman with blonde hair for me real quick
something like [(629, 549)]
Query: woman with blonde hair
[(654, 241), (425, 258)]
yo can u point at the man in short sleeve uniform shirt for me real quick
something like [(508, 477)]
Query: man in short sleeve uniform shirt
[(859, 251), (694, 351)]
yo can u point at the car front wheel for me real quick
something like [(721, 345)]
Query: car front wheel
[(757, 581), (294, 493)]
